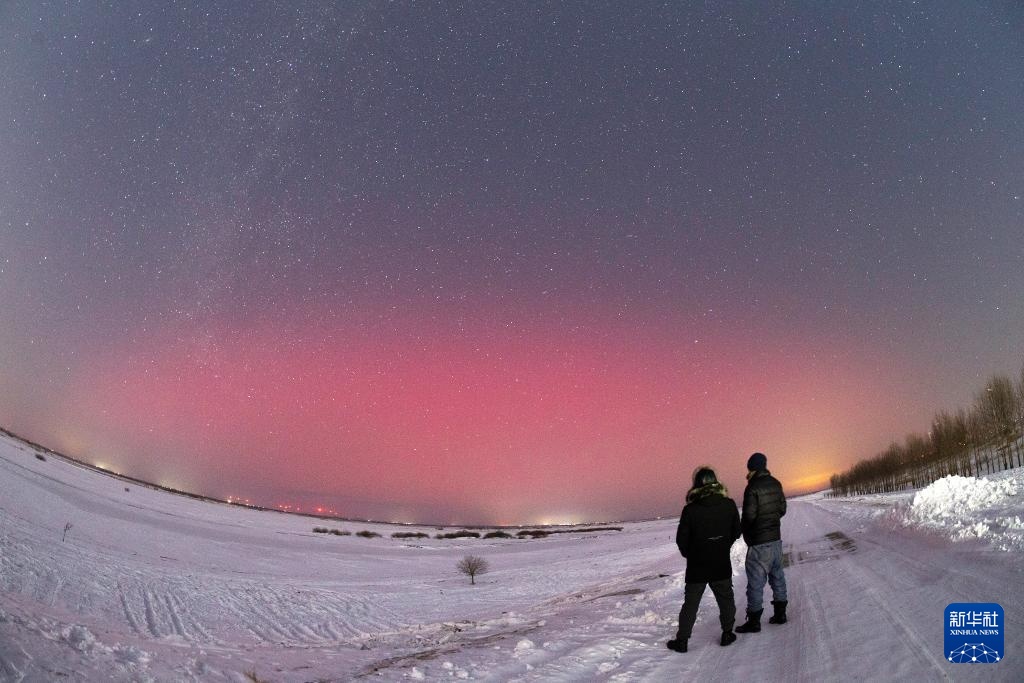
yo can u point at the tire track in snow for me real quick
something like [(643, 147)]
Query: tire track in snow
[(191, 618), (814, 603), (858, 590), (132, 622), (602, 650), (262, 622), (884, 607), (172, 611), (604, 639), (168, 611), (316, 617), (814, 627), (151, 617), (193, 611)]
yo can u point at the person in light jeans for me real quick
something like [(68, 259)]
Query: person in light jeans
[(764, 504)]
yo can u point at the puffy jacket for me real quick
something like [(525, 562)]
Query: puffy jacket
[(708, 527), (764, 504)]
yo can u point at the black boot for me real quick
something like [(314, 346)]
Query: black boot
[(677, 644), (728, 638), (780, 612), (753, 624)]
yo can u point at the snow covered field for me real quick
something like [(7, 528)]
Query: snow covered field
[(153, 586)]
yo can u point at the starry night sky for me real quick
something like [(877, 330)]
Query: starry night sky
[(502, 262)]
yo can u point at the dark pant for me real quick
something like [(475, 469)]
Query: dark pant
[(691, 601)]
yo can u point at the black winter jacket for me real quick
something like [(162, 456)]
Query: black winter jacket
[(707, 529), (764, 504)]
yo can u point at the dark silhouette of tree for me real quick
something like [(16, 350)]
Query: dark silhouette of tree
[(1020, 415), (969, 442), (949, 444), (471, 565), (997, 406)]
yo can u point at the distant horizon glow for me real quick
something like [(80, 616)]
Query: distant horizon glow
[(448, 403), (508, 263)]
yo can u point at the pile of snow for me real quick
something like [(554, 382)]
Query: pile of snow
[(971, 507), (648, 617), (958, 498), (524, 645)]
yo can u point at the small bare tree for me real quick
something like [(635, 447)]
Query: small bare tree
[(471, 565), (67, 528)]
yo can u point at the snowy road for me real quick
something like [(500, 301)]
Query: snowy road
[(150, 586), (866, 603)]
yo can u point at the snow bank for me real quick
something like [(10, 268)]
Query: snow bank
[(958, 498), (971, 507)]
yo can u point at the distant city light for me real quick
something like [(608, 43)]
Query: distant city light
[(559, 521)]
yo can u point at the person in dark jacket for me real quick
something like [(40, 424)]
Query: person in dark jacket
[(708, 526), (764, 504)]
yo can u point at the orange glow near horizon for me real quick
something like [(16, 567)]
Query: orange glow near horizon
[(814, 482)]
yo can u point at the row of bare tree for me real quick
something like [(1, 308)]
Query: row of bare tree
[(978, 440)]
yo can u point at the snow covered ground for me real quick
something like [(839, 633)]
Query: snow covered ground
[(153, 586)]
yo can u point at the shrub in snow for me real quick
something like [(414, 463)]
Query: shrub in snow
[(320, 530), (497, 534), (460, 534), (78, 637), (130, 655), (541, 533), (367, 534), (340, 532), (471, 565), (535, 533), (409, 534), (40, 456)]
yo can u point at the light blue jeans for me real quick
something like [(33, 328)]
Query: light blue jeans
[(764, 563)]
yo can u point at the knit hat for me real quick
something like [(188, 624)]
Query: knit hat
[(757, 462)]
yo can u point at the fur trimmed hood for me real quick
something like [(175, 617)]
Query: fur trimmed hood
[(699, 492)]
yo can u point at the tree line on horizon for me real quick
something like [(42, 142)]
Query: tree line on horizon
[(981, 439)]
